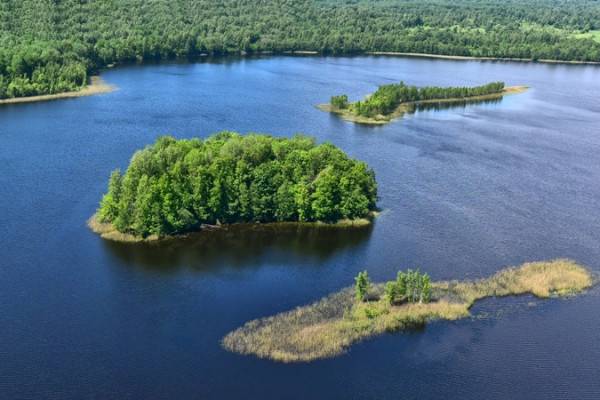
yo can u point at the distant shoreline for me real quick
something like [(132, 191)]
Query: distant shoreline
[(472, 58), (109, 232), (404, 108), (96, 86)]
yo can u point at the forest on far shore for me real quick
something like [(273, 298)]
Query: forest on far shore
[(49, 46)]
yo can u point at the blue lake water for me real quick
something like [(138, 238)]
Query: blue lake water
[(465, 192)]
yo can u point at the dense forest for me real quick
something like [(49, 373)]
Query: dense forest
[(388, 97), (175, 186), (50, 46)]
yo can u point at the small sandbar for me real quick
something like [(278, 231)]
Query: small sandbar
[(330, 326), (409, 107), (96, 86)]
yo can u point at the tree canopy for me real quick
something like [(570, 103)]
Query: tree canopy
[(174, 186), (362, 283), (410, 286), (50, 46)]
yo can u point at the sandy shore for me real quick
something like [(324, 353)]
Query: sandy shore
[(446, 57), (96, 86), (409, 106)]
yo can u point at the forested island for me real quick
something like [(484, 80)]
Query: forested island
[(178, 186), (394, 100), (328, 327), (49, 47)]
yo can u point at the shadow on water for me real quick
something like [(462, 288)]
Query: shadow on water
[(455, 104), (239, 246), (189, 63), (434, 106)]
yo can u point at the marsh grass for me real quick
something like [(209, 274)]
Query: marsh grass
[(542, 279), (109, 232), (328, 327)]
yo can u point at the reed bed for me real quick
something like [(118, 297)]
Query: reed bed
[(329, 326)]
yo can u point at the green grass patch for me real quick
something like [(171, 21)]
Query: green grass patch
[(594, 35)]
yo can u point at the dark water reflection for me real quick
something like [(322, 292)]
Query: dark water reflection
[(239, 246), (455, 104), (466, 191)]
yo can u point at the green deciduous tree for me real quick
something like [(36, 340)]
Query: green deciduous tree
[(361, 286), (411, 286), (340, 102)]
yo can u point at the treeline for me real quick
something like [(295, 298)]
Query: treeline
[(28, 77), (175, 186), (49, 46), (388, 97)]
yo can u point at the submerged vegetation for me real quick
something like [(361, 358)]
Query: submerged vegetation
[(49, 46), (328, 327), (176, 186), (393, 100)]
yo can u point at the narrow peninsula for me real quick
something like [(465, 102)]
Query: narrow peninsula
[(328, 327), (393, 101), (178, 186), (95, 86)]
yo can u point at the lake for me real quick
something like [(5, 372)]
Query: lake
[(465, 191)]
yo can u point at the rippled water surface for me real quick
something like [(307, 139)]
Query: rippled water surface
[(466, 191)]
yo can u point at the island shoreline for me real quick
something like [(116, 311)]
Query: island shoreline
[(109, 232)]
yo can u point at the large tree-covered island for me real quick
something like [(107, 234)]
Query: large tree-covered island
[(394, 100), (328, 327), (177, 186)]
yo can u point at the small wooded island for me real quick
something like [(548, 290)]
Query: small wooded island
[(328, 327), (392, 101), (178, 186)]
